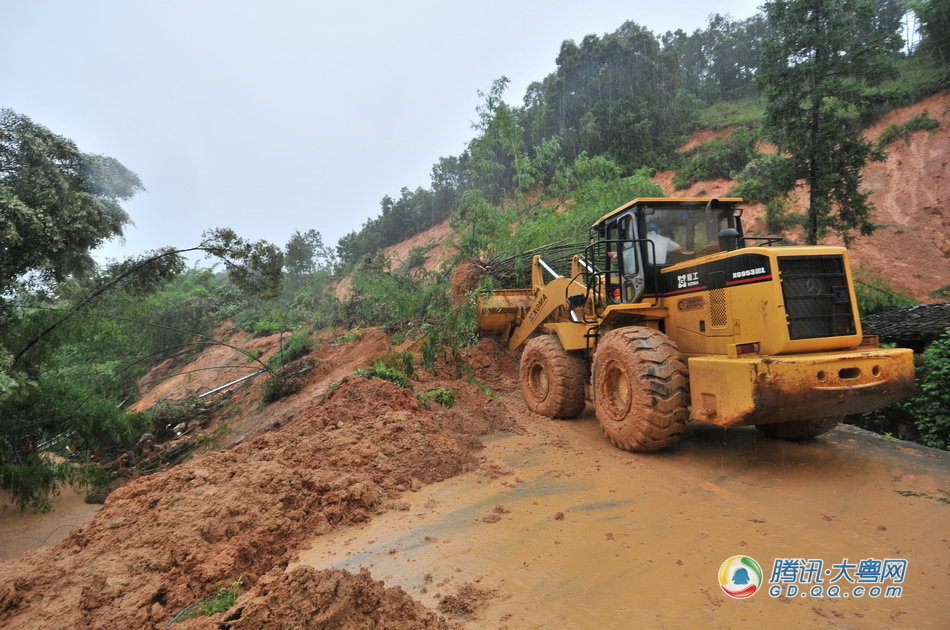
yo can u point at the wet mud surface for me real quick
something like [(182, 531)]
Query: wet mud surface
[(564, 531), (365, 509)]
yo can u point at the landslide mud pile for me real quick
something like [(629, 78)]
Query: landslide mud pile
[(322, 600), (165, 541)]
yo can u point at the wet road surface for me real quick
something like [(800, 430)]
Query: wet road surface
[(559, 529)]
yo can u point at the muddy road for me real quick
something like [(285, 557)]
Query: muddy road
[(483, 515), (559, 529)]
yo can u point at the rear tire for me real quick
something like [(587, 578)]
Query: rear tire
[(641, 390), (552, 379), (798, 429)]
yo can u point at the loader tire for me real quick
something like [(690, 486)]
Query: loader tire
[(641, 391), (552, 379), (799, 429)]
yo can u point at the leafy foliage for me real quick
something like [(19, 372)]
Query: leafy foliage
[(219, 601), (441, 395), (297, 345), (874, 293), (719, 158), (383, 298), (74, 336), (931, 406), (764, 178), (935, 27), (779, 217), (894, 131), (924, 417), (382, 371), (305, 253), (56, 203)]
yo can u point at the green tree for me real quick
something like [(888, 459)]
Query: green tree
[(56, 203), (499, 163), (822, 61), (305, 253), (934, 16)]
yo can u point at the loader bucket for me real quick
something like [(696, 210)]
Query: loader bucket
[(498, 311)]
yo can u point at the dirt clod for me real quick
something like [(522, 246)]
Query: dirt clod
[(466, 602)]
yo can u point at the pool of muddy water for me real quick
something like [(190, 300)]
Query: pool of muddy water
[(22, 531)]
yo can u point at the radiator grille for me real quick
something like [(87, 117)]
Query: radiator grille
[(817, 300)]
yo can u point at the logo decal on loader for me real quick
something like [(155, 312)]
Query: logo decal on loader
[(537, 308)]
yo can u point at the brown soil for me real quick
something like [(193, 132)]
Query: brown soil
[(306, 599), (436, 241), (244, 416), (216, 365), (703, 136), (162, 542), (465, 278), (910, 191)]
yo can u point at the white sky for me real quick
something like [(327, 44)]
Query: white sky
[(268, 117)]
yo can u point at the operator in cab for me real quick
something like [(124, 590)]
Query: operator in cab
[(661, 244)]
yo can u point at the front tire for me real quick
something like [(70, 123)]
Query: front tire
[(799, 429), (552, 379), (641, 392)]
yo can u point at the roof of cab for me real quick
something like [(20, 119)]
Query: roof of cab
[(667, 201)]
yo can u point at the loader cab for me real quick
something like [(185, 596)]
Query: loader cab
[(634, 242)]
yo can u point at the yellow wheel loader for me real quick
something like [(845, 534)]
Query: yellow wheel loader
[(672, 314)]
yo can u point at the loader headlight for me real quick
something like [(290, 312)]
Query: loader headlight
[(747, 348)]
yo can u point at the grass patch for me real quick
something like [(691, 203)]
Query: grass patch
[(219, 601), (745, 111), (382, 371), (297, 345), (441, 395), (720, 157), (894, 131), (352, 335)]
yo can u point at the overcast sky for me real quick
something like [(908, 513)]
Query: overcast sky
[(273, 116)]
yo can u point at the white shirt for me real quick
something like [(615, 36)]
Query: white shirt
[(663, 246)]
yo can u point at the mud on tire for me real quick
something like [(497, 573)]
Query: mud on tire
[(798, 430), (641, 389), (552, 379)]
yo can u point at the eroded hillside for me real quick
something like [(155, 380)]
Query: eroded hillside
[(910, 191)]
